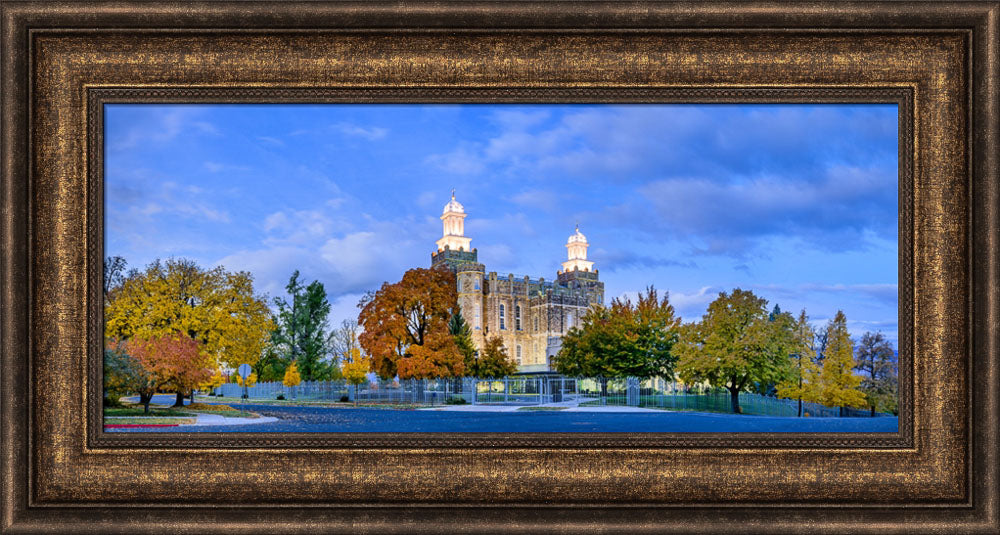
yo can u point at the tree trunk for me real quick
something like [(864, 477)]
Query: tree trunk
[(841, 411), (800, 407), (145, 399), (604, 387), (873, 411), (192, 396), (180, 399), (734, 398)]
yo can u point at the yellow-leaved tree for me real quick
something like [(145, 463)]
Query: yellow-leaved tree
[(292, 377), (838, 385), (355, 369), (214, 307), (251, 379), (213, 382)]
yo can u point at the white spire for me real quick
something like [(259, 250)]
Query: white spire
[(576, 253), (453, 223), (454, 206)]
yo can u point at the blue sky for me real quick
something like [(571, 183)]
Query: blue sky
[(796, 202)]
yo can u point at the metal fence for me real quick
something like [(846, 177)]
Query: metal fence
[(550, 390), (411, 391)]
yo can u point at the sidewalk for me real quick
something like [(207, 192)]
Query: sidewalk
[(566, 406), (218, 419)]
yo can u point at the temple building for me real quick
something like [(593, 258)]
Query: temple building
[(530, 315)]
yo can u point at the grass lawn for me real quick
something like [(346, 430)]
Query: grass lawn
[(149, 420), (700, 403), (161, 411)]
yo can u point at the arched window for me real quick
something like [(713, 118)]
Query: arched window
[(517, 317), (502, 319)]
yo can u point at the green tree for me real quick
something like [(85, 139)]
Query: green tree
[(123, 374), (625, 339), (271, 366), (797, 384), (494, 361), (734, 345), (880, 384), (301, 327), (838, 384), (462, 334)]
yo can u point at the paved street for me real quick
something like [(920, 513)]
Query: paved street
[(324, 420)]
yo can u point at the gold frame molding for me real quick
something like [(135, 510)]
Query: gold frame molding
[(62, 62)]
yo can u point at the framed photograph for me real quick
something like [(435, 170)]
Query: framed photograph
[(428, 267)]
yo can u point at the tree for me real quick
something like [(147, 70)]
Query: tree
[(292, 377), (876, 361), (213, 382), (355, 369), (838, 384), (344, 339), (462, 334), (406, 326), (734, 345), (271, 366), (301, 326), (122, 374), (216, 308), (494, 361), (622, 340), (114, 274), (800, 382), (251, 379), (169, 360)]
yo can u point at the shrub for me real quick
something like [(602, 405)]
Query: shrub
[(345, 399), (280, 397), (455, 400)]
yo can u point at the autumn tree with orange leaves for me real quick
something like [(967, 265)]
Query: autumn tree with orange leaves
[(175, 360), (406, 327)]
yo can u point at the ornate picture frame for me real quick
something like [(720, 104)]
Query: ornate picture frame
[(938, 62)]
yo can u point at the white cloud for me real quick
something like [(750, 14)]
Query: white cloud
[(271, 141), (461, 161), (373, 133), (692, 305), (169, 124)]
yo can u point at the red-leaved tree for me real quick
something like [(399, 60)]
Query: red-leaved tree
[(174, 360)]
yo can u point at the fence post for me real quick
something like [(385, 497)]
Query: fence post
[(632, 391)]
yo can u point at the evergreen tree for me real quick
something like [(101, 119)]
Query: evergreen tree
[(301, 329), (462, 333), (876, 361), (838, 384)]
